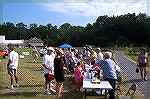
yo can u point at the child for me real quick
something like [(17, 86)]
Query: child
[(79, 74)]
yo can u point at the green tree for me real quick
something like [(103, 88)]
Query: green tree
[(21, 30)]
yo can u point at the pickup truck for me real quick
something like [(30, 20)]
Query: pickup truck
[(3, 52)]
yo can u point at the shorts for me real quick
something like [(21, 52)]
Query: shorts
[(48, 79), (41, 54), (142, 64), (92, 63), (12, 72), (60, 79)]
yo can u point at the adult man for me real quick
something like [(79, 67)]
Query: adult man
[(35, 54), (48, 64), (43, 51), (12, 65), (109, 72)]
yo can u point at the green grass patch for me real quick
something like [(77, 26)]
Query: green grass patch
[(31, 80), (132, 53)]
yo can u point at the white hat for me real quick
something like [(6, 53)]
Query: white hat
[(50, 48), (99, 49), (108, 54), (34, 47)]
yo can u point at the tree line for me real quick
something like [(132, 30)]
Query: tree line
[(107, 31)]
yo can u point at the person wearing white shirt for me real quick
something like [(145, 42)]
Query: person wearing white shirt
[(43, 52), (48, 64), (100, 55), (35, 54), (12, 66)]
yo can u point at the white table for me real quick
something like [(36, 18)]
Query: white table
[(102, 85), (88, 67)]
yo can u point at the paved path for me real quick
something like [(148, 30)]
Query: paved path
[(128, 69)]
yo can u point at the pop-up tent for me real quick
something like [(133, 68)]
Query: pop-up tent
[(65, 46)]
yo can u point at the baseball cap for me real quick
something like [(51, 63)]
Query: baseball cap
[(50, 48), (99, 49)]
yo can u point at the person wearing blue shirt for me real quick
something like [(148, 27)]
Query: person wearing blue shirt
[(109, 72)]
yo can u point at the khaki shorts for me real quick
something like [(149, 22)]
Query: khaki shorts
[(12, 72)]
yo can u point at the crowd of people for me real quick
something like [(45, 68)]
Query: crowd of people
[(57, 61)]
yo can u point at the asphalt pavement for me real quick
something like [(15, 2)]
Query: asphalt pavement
[(128, 68)]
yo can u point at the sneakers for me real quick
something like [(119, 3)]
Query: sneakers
[(52, 90), (11, 87), (52, 85), (17, 85), (47, 92), (145, 79)]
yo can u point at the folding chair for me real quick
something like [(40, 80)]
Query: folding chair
[(131, 91), (119, 80)]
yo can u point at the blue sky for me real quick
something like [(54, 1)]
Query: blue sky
[(75, 12)]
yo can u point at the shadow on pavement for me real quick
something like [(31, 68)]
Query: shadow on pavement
[(132, 81)]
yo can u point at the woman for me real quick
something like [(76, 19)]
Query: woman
[(59, 72), (92, 57), (143, 63), (48, 64)]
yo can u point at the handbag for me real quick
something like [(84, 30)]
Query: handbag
[(51, 76), (137, 70)]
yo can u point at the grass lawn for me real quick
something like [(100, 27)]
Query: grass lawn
[(134, 57), (31, 80)]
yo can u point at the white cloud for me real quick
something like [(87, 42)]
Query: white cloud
[(97, 7)]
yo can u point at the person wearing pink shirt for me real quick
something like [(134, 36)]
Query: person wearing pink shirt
[(79, 74), (143, 63)]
